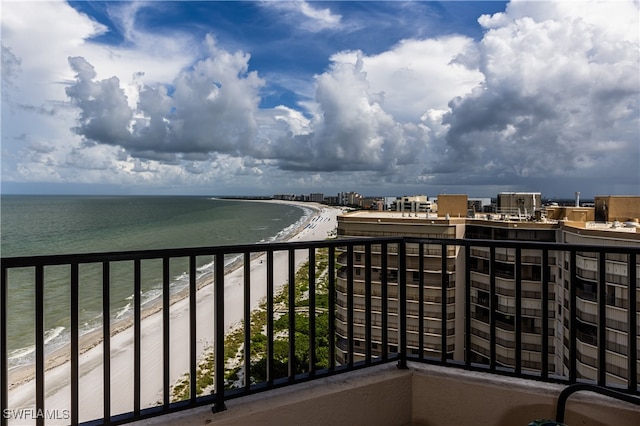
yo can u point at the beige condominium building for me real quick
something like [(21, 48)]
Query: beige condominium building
[(588, 269), (617, 225)]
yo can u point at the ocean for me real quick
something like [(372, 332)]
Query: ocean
[(47, 225)]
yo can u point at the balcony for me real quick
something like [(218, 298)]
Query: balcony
[(422, 394), (395, 383)]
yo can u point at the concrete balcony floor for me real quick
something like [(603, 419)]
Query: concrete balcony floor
[(420, 395)]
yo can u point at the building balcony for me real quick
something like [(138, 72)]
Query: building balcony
[(419, 395), (381, 365)]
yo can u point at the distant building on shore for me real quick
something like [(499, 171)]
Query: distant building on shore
[(350, 199), (316, 198), (413, 204), (284, 197)]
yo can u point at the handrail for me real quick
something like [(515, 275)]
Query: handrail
[(63, 259), (578, 387), (60, 259)]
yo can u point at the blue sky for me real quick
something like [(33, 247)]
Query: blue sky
[(383, 98)]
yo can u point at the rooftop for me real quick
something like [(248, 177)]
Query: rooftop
[(629, 227)]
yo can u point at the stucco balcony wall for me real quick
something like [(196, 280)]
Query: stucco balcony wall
[(421, 395)]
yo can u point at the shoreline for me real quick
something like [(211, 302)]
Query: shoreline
[(21, 374), (57, 364)]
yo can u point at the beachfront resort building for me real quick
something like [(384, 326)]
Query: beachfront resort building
[(413, 204), (519, 302), (350, 199), (386, 287)]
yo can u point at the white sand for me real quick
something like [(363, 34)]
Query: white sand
[(319, 227)]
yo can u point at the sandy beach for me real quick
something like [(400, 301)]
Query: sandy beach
[(320, 225)]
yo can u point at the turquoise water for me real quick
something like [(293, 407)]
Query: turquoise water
[(46, 225)]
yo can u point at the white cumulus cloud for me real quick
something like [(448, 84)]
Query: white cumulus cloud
[(550, 91), (561, 82)]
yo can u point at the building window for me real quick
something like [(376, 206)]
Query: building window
[(587, 290), (611, 295), (483, 298), (479, 265), (531, 272), (504, 270), (504, 321), (528, 325)]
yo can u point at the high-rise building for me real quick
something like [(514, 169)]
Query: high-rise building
[(590, 270), (558, 265), (316, 197), (377, 223), (350, 199), (413, 204)]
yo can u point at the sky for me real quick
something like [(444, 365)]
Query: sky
[(292, 97)]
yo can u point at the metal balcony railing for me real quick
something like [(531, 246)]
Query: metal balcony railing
[(370, 311)]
